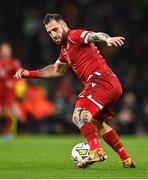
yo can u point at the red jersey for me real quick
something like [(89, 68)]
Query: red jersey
[(8, 68), (83, 58)]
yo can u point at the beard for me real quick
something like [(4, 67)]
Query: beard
[(63, 39)]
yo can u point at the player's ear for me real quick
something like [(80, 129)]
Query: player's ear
[(63, 23)]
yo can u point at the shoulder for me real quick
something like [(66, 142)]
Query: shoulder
[(77, 35)]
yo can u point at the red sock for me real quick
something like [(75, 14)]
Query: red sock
[(112, 139), (89, 131)]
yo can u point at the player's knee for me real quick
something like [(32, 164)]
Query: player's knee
[(100, 125), (81, 116)]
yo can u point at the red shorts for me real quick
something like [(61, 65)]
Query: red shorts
[(99, 95)]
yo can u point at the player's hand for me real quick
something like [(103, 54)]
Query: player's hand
[(21, 73), (115, 41)]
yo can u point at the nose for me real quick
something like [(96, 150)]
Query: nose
[(53, 34)]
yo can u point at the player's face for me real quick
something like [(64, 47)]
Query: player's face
[(5, 50), (57, 31)]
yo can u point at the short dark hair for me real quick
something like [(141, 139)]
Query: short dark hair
[(49, 17)]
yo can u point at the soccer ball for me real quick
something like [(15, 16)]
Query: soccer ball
[(80, 151)]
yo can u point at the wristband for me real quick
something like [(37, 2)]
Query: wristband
[(34, 74)]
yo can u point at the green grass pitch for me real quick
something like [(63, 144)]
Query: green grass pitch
[(48, 157)]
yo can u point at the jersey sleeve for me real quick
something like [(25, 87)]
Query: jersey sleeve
[(79, 36)]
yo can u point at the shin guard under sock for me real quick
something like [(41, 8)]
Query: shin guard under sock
[(113, 140), (89, 131)]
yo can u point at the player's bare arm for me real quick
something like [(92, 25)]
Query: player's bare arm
[(50, 71), (103, 37)]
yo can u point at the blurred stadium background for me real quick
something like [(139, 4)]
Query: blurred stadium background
[(21, 26)]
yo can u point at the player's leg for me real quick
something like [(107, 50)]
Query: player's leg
[(10, 118), (82, 119), (7, 130), (112, 139)]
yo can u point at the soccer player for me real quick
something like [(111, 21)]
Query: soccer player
[(8, 66), (101, 90)]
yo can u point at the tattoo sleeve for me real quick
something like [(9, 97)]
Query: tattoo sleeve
[(97, 37)]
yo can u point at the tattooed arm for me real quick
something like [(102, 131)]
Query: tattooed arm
[(103, 37)]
